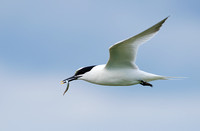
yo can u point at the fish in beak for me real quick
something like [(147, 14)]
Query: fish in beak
[(67, 81)]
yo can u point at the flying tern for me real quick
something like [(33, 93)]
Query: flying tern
[(120, 69)]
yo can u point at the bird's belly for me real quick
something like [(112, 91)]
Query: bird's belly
[(118, 77), (115, 81)]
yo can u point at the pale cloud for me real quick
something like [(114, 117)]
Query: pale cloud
[(38, 101)]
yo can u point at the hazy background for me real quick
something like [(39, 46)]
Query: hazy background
[(44, 41)]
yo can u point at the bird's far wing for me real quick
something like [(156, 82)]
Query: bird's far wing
[(123, 53)]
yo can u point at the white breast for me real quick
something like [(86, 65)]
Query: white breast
[(116, 77)]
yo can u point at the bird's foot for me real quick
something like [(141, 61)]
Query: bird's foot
[(144, 83)]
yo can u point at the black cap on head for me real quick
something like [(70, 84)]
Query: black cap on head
[(84, 70), (78, 73)]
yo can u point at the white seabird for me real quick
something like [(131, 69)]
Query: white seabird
[(120, 69)]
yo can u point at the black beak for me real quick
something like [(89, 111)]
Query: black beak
[(70, 79)]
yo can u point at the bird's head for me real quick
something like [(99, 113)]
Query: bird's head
[(78, 74)]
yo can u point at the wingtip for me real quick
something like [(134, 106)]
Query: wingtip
[(157, 26), (166, 18), (162, 21)]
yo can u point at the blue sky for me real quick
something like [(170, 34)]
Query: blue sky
[(43, 42)]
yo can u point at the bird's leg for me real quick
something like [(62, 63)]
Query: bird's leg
[(144, 83)]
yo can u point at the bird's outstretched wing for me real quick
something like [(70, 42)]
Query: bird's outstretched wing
[(123, 53)]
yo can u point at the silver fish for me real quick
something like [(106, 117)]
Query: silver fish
[(66, 88)]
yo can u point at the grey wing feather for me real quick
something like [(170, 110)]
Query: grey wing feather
[(123, 54)]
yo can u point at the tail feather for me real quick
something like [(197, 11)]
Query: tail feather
[(172, 78)]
